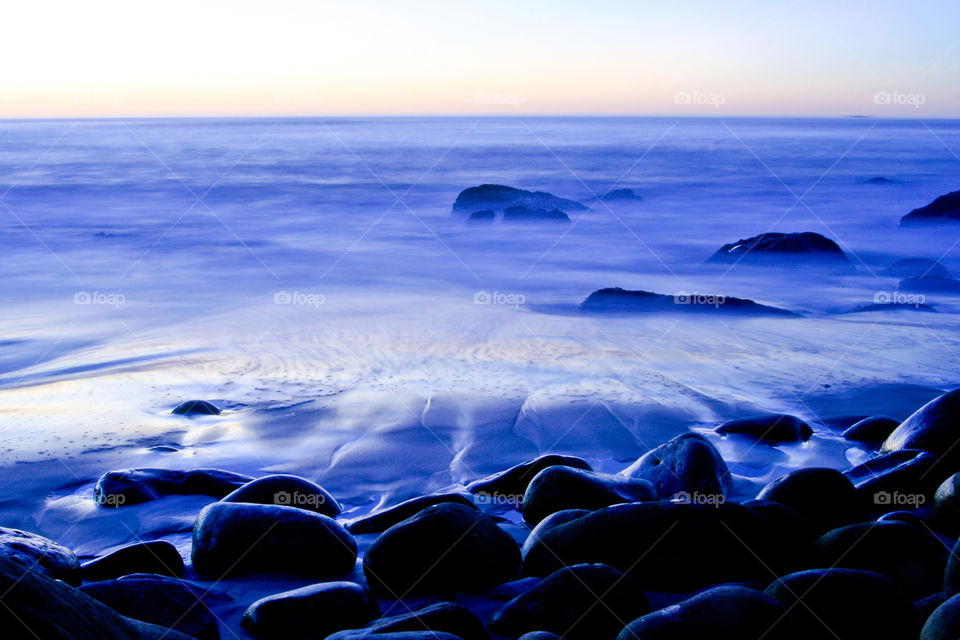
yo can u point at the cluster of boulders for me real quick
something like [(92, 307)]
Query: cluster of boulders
[(660, 549)]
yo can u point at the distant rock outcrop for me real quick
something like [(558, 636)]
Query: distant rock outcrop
[(526, 214), (617, 300), (484, 216), (499, 197), (619, 195), (945, 209), (807, 248)]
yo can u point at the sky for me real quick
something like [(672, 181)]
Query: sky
[(518, 57)]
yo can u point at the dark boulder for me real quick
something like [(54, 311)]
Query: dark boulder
[(872, 430), (239, 538), (551, 521), (773, 429), (314, 611), (794, 527), (444, 549), (946, 208), (807, 248), (688, 463), (160, 600), (196, 407), (915, 268), (288, 491), (514, 481), (486, 216), (935, 427), (157, 557), (944, 622), (951, 577), (619, 195), (823, 497), (39, 554), (896, 480), (526, 214), (582, 602), (844, 604), (666, 546), (726, 612), (134, 486), (912, 557), (560, 488), (946, 506), (499, 197), (540, 635), (442, 617), (380, 521), (617, 300)]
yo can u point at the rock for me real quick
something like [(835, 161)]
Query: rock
[(930, 284), (725, 612), (314, 611), (934, 427), (873, 430), (794, 527), (946, 506), (382, 520), (915, 268), (893, 306), (773, 429), (881, 180), (559, 488), (443, 617), (551, 521), (581, 602), (823, 497), (160, 600), (399, 635), (487, 216), (526, 214), (540, 635), (910, 556), (37, 606), (944, 622), (499, 197), (39, 554), (196, 407), (951, 577), (158, 557), (688, 463), (926, 606), (239, 538), (909, 517), (617, 300), (895, 480), (783, 249), (514, 481), (289, 491), (945, 209), (666, 546), (619, 195), (842, 604), (134, 486), (444, 549)]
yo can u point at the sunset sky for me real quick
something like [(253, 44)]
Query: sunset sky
[(524, 57)]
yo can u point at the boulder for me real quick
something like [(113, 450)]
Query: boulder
[(872, 430), (617, 300), (946, 506), (559, 488), (240, 538), (930, 284), (486, 216), (915, 268), (945, 209), (666, 546), (551, 521), (843, 604), (157, 557), (444, 549), (581, 602), (38, 606), (526, 214), (944, 622), (688, 463), (772, 429), (39, 554), (314, 611), (196, 407), (823, 497), (540, 635), (498, 197), (442, 617), (896, 480), (795, 528), (380, 521), (160, 600), (934, 427), (951, 577), (910, 556), (782, 249), (134, 486), (514, 481), (725, 612), (289, 491)]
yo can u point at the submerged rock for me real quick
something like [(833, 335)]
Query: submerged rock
[(774, 429), (945, 209), (617, 300), (892, 306), (915, 268), (135, 486), (582, 602), (498, 197), (688, 463), (443, 617), (157, 557), (514, 481), (935, 427), (239, 538), (561, 488), (526, 214), (314, 611), (771, 248), (873, 430), (38, 554), (196, 407), (619, 195), (487, 216), (289, 491), (383, 520), (444, 549), (824, 497), (881, 180)]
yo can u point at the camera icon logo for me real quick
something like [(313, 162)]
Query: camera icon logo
[(282, 498)]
